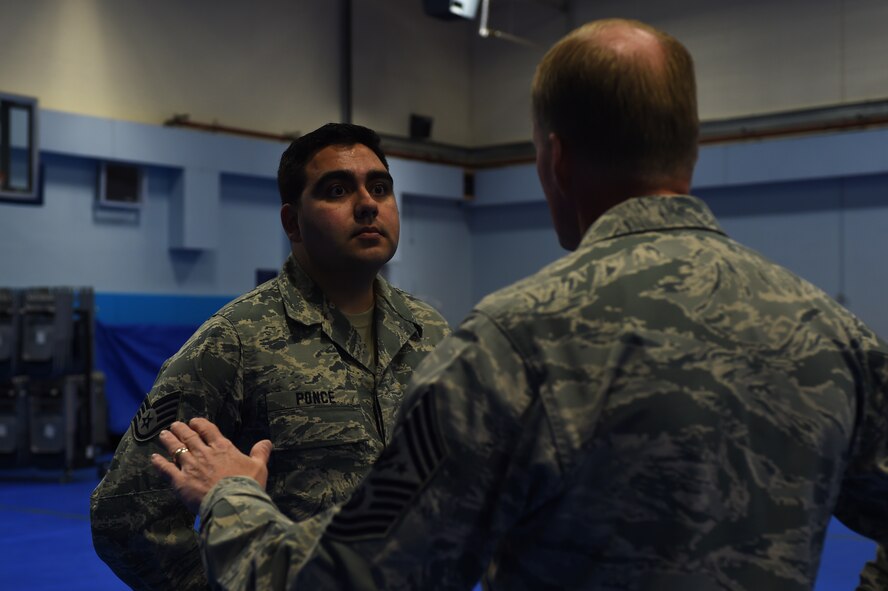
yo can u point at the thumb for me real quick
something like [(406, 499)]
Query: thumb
[(262, 451)]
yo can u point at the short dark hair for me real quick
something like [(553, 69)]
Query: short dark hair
[(631, 116), (291, 172)]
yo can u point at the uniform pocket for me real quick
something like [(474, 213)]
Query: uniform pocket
[(295, 424), (322, 449)]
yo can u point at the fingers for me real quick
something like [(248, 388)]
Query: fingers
[(187, 488), (262, 451), (194, 436), (187, 436), (171, 443), (167, 469), (207, 430)]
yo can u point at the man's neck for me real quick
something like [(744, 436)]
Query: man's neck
[(351, 292), (610, 193), (350, 299)]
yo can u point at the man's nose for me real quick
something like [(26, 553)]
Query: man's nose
[(366, 206)]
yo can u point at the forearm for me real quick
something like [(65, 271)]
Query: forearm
[(248, 544)]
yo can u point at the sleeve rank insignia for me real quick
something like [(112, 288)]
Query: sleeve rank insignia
[(152, 418)]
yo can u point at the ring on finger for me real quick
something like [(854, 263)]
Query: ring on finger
[(178, 453)]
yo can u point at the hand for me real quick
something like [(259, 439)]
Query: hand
[(208, 458)]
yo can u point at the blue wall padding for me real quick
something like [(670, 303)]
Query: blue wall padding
[(130, 356), (135, 334)]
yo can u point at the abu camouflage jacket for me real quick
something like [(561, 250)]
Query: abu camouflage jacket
[(279, 363)]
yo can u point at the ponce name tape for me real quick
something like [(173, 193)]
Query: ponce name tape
[(152, 418)]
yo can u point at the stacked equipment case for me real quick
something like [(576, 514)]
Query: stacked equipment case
[(52, 401)]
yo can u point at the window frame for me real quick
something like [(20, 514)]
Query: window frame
[(31, 195)]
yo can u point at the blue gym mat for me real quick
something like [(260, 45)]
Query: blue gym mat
[(47, 545)]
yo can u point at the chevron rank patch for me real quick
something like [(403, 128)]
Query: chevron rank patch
[(398, 476), (152, 418)]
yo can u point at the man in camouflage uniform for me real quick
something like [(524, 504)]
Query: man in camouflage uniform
[(663, 408), (316, 360)]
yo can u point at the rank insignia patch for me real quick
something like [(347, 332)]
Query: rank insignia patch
[(152, 418), (399, 475)]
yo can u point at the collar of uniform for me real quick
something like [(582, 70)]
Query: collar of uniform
[(391, 298), (652, 213), (305, 303), (395, 323), (303, 299)]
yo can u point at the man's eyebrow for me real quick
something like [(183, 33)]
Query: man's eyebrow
[(380, 175), (333, 175)]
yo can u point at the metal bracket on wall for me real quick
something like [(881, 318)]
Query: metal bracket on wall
[(485, 31)]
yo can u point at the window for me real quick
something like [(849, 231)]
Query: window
[(18, 148), (120, 185)]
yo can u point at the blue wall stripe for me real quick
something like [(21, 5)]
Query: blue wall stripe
[(157, 309)]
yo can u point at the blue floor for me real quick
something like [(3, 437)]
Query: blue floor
[(47, 543)]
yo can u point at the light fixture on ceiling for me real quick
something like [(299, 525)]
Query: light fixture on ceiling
[(451, 9), (485, 31), (468, 10)]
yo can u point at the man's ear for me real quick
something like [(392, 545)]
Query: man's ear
[(290, 222), (561, 163)]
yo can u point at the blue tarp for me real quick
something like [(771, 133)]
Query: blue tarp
[(130, 356)]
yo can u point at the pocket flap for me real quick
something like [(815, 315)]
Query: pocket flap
[(299, 420)]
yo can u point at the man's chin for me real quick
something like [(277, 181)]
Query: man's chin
[(373, 257)]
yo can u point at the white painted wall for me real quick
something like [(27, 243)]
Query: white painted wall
[(274, 65), (406, 62), (502, 71), (270, 65), (752, 56)]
